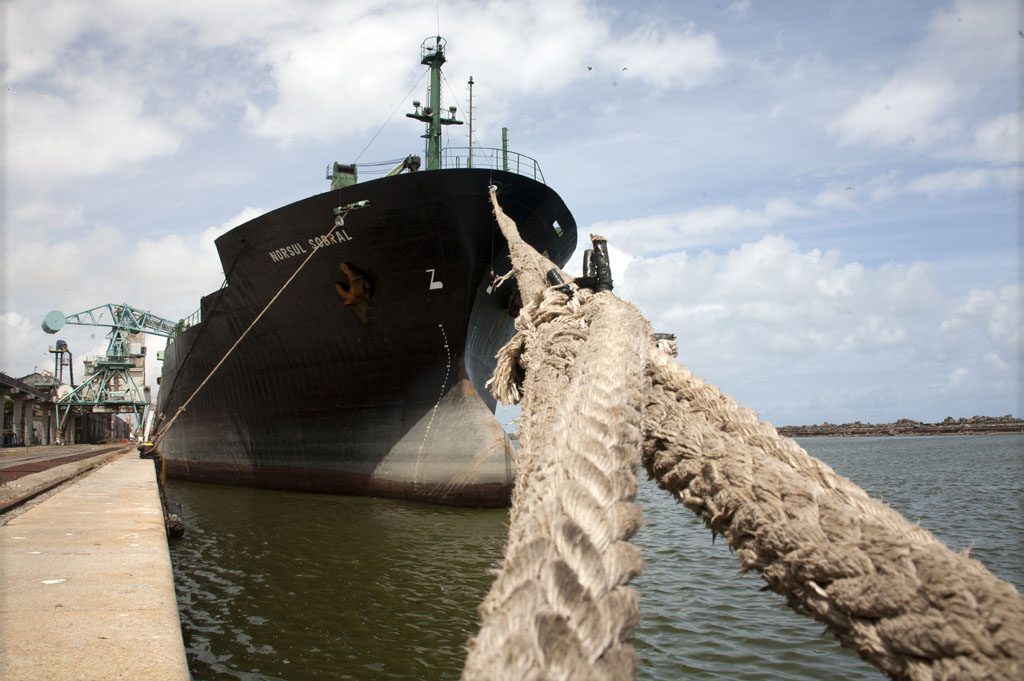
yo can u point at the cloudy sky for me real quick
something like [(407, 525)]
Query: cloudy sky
[(821, 199)]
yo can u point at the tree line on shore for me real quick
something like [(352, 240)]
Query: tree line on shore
[(974, 425)]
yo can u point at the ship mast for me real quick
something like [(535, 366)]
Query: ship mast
[(433, 56), (469, 159)]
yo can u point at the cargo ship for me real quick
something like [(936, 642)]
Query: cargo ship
[(366, 374)]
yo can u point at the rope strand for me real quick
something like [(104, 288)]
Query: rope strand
[(587, 368)]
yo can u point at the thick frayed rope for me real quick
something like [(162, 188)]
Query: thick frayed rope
[(594, 382), (559, 607), (885, 587)]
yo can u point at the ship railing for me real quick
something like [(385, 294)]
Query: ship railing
[(185, 323), (190, 320), (492, 158), (193, 319)]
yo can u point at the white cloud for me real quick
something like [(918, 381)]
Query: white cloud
[(965, 179), (995, 361), (982, 339), (553, 43), (666, 58), (969, 39), (166, 274), (243, 216), (965, 46), (770, 298), (323, 83), (37, 32), (997, 312), (96, 129), (856, 341), (875, 332), (42, 34), (998, 140), (73, 259), (20, 347), (942, 183), (323, 71), (707, 224), (186, 265), (910, 111), (836, 196), (41, 215), (958, 379)]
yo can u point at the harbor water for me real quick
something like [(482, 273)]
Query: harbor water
[(275, 585)]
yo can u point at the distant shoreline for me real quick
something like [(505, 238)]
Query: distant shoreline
[(975, 425)]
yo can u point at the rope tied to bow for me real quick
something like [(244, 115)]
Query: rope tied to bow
[(602, 394)]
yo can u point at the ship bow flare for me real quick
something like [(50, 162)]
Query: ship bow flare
[(366, 375)]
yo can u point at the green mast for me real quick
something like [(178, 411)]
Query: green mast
[(433, 56)]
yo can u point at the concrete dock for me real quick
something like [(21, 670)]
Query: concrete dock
[(86, 588)]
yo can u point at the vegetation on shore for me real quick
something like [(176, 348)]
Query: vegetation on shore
[(974, 425)]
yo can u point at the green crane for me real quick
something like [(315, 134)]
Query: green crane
[(111, 387)]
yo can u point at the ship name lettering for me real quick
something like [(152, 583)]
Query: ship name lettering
[(289, 251), (339, 236)]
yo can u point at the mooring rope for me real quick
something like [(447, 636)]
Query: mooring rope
[(885, 587), (559, 607), (594, 382)]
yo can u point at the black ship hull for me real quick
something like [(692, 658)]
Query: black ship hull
[(366, 375)]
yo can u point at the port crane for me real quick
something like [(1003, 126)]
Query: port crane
[(114, 382)]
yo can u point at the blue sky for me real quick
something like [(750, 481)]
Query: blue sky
[(822, 200)]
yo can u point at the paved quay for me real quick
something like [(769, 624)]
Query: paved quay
[(86, 588)]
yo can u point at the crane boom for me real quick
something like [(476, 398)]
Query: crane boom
[(126, 317)]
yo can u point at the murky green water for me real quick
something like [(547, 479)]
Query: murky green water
[(274, 585)]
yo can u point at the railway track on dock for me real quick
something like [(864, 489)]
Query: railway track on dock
[(35, 463)]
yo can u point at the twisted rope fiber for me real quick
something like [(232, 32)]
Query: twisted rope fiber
[(727, 415), (559, 607), (549, 338), (549, 332), (888, 589), (885, 587)]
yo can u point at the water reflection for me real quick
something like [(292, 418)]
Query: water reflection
[(298, 586), (273, 585)]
